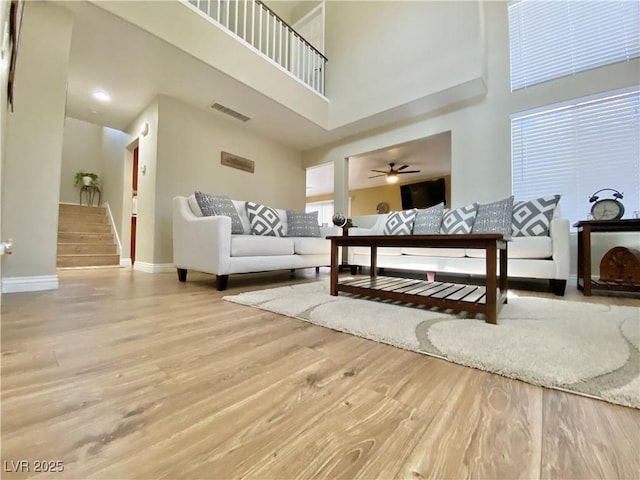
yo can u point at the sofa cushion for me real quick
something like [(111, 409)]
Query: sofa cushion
[(258, 245), (264, 220), (242, 213), (193, 205), (494, 217), (532, 218), (311, 246), (219, 205), (434, 252), (522, 247), (459, 220), (428, 220), (400, 223), (301, 224)]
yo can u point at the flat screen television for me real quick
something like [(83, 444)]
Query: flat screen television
[(423, 194)]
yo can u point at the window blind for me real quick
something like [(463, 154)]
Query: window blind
[(576, 148), (552, 39)]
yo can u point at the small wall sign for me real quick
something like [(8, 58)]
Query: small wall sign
[(235, 161)]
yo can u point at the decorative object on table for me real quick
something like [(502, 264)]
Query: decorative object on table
[(86, 179), (621, 265), (607, 208), (382, 207), (339, 220), (234, 161)]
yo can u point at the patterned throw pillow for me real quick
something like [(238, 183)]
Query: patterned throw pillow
[(219, 205), (400, 223), (428, 220), (494, 217), (459, 220), (264, 220), (533, 218), (301, 224)]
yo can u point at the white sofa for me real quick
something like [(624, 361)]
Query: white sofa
[(205, 244), (544, 257)]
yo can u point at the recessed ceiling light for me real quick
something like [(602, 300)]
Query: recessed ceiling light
[(101, 95)]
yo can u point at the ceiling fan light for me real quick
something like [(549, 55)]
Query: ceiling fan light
[(392, 178)]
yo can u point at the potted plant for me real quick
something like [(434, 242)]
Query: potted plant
[(86, 179)]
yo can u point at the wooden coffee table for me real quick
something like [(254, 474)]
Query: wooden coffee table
[(486, 299)]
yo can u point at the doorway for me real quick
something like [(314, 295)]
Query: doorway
[(134, 205)]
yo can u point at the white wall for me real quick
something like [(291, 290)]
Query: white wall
[(31, 174), (385, 54), (81, 145), (480, 130), (146, 198), (4, 111), (113, 153), (177, 24), (182, 154)]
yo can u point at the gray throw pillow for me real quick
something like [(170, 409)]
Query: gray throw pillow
[(533, 218), (428, 220), (459, 220), (494, 217), (264, 220), (400, 223), (212, 205), (301, 224)]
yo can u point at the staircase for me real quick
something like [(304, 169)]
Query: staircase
[(85, 238)]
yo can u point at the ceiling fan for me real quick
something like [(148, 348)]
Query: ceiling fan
[(392, 174)]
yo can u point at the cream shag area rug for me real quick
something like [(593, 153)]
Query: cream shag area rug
[(583, 348)]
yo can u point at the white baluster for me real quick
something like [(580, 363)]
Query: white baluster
[(218, 2), (253, 22), (273, 45), (305, 63), (244, 21), (228, 15), (209, 7), (236, 19), (260, 29), (280, 49), (286, 48), (266, 37)]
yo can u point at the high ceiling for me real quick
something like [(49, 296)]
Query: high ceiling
[(134, 67)]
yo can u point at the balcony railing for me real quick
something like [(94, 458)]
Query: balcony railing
[(254, 23)]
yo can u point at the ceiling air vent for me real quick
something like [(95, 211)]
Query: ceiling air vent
[(228, 111)]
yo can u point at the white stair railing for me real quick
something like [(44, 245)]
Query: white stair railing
[(254, 23)]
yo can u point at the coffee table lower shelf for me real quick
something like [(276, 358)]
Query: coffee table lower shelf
[(470, 298)]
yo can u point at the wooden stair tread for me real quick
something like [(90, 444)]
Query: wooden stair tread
[(85, 238)]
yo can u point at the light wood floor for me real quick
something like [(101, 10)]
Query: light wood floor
[(122, 374)]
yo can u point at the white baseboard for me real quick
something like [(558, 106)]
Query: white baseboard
[(154, 267), (125, 262), (29, 284)]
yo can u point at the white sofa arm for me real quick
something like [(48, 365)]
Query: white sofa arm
[(200, 243), (330, 232), (376, 229), (559, 233)]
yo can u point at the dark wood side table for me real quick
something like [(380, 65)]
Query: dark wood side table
[(585, 229)]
